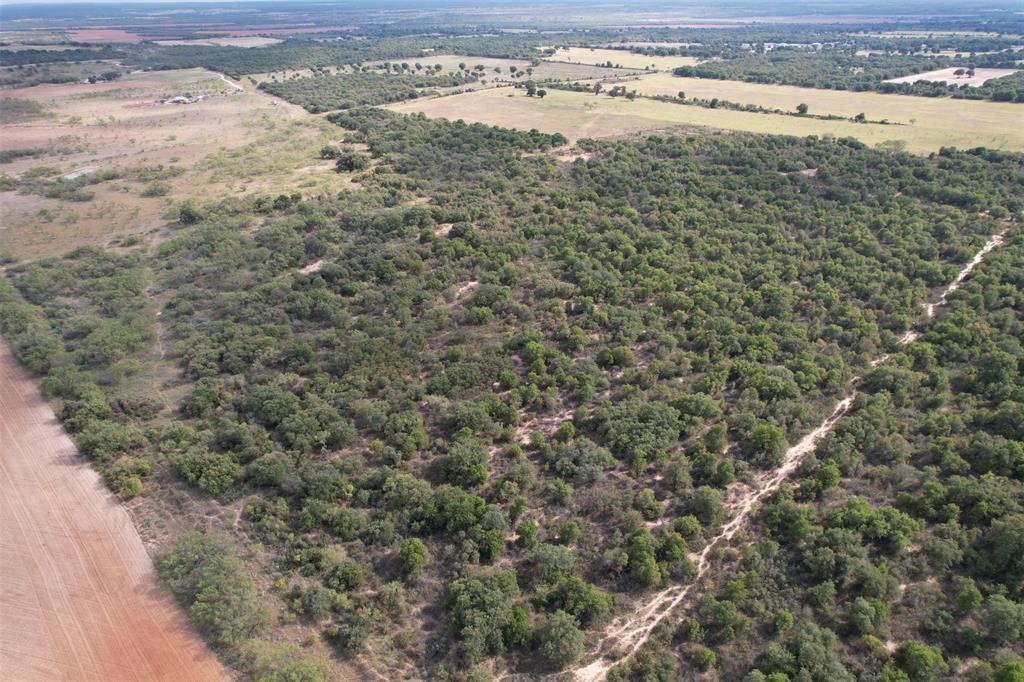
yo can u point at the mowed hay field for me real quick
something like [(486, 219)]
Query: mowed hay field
[(578, 115), (971, 123), (622, 58), (231, 143)]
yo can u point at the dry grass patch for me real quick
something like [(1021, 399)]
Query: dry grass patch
[(620, 58), (241, 41), (123, 125), (967, 123), (950, 77)]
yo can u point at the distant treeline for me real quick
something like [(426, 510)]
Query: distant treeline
[(25, 57), (302, 54)]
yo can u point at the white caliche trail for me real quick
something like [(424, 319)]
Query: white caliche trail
[(628, 634), (233, 84)]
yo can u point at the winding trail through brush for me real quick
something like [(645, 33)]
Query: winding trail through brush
[(627, 634), (233, 84)]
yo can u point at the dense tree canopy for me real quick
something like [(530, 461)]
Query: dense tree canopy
[(521, 388)]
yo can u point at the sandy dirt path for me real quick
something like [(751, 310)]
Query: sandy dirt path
[(79, 597), (628, 633)]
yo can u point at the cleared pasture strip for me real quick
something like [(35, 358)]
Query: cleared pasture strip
[(939, 115), (623, 58), (876, 106), (560, 70), (578, 115)]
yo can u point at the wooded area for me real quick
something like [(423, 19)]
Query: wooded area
[(558, 371)]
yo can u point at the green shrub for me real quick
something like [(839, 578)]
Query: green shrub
[(559, 640), (204, 573)]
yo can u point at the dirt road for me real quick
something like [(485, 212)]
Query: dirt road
[(627, 634), (79, 598)]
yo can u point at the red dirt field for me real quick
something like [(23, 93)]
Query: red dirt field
[(79, 598), (103, 35)]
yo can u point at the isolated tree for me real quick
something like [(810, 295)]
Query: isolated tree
[(412, 555), (531, 89), (188, 214), (578, 598), (465, 464), (541, 93), (1003, 619), (767, 445), (922, 663), (559, 640), (801, 108), (484, 613), (704, 658), (350, 161)]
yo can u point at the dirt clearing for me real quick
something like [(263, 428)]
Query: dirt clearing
[(103, 35), (79, 597)]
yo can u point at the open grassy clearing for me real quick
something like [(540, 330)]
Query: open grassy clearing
[(241, 41), (546, 70), (924, 34), (287, 74), (644, 43), (949, 76), (572, 71), (622, 58), (933, 53), (941, 115), (232, 142), (579, 115)]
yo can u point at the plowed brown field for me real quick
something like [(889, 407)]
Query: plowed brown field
[(79, 597)]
